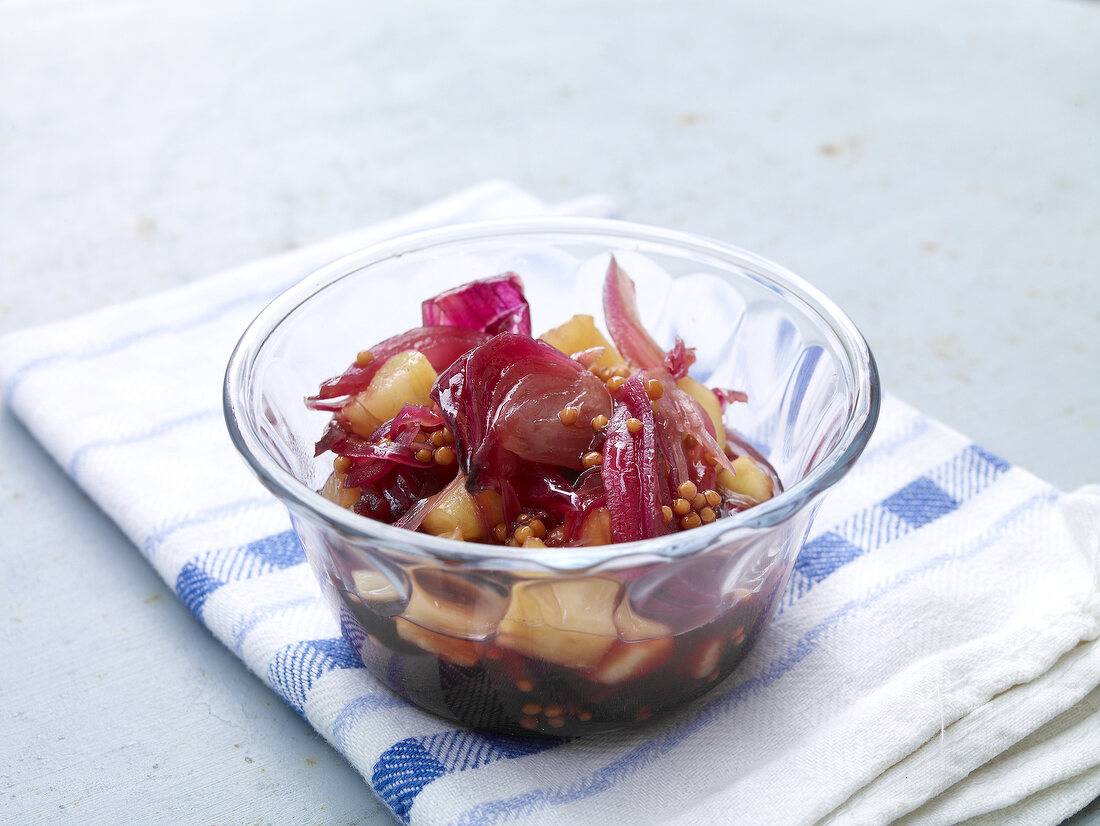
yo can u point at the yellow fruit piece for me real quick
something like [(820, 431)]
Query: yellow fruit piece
[(643, 646), (363, 422), (750, 480), (565, 621), (705, 658), (596, 527), (629, 660), (335, 491), (372, 586), (633, 627), (454, 604), (580, 333), (456, 508), (709, 402), (459, 652), (406, 378)]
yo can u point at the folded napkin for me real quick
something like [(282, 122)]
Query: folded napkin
[(935, 658)]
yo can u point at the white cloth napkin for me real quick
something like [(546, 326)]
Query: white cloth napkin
[(935, 660)]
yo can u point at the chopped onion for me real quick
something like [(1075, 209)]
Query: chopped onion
[(489, 305), (679, 359), (620, 309), (688, 417), (588, 357), (726, 397), (535, 425), (502, 401), (630, 468)]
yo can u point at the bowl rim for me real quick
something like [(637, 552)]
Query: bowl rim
[(862, 414)]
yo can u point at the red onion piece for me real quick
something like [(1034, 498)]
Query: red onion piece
[(541, 490), (679, 359), (415, 515), (416, 416), (674, 465), (630, 473), (439, 345), (387, 447), (372, 459), (620, 309), (589, 494), (726, 397), (334, 434), (390, 496), (490, 305), (688, 417), (502, 401), (588, 357)]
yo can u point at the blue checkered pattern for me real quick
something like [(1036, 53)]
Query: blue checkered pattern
[(913, 506), (403, 771), (210, 570), (297, 667)]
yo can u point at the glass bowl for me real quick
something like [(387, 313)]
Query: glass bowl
[(561, 641)]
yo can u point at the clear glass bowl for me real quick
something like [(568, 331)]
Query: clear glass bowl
[(579, 640)]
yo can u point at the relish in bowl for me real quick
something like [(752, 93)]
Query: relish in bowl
[(567, 533)]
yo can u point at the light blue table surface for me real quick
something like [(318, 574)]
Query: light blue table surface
[(934, 167)]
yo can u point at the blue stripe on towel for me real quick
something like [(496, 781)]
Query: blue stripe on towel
[(204, 574), (404, 769), (152, 432), (402, 772), (823, 555), (152, 542), (920, 502), (254, 299), (296, 668)]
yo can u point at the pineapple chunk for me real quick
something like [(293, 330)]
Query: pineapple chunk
[(633, 627), (706, 657), (456, 508), (750, 480), (580, 333), (629, 660), (643, 646), (459, 652), (596, 527), (565, 621), (335, 491), (454, 604), (373, 587), (709, 402), (363, 422), (406, 378), (449, 613)]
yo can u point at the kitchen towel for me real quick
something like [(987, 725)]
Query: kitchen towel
[(935, 658)]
